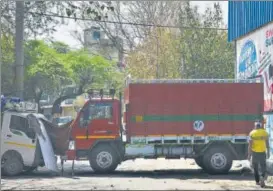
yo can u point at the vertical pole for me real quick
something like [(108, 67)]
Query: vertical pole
[(235, 64), (19, 51)]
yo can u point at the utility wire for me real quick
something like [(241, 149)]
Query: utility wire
[(128, 23)]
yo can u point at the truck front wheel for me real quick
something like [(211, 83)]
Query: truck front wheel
[(103, 159), (217, 160)]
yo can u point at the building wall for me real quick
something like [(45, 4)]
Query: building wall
[(246, 16), (255, 57)]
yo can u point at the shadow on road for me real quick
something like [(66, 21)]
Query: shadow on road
[(182, 174)]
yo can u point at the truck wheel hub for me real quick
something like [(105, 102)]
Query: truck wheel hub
[(104, 159), (218, 161)]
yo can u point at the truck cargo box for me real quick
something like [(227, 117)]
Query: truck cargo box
[(175, 108)]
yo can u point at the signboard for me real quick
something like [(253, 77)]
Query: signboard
[(255, 57)]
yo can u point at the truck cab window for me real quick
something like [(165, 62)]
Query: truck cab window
[(95, 111), (20, 124)]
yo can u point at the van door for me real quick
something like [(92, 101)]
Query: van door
[(19, 137)]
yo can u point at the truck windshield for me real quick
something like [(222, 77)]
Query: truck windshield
[(100, 110), (97, 111)]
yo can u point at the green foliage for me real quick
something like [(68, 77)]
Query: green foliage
[(51, 66), (187, 52), (7, 58), (92, 71), (157, 57), (45, 70), (205, 53)]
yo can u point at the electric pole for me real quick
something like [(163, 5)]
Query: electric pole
[(19, 49)]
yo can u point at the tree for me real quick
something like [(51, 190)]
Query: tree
[(185, 53), (91, 71), (88, 72), (7, 67), (157, 57), (139, 12), (205, 53), (38, 21), (39, 15), (46, 70)]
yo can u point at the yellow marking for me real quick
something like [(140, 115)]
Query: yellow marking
[(21, 145), (214, 135), (139, 118), (185, 135), (96, 137), (169, 135), (198, 135)]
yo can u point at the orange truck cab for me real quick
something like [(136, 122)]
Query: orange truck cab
[(207, 120)]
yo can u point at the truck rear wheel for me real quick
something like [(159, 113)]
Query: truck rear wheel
[(217, 160), (103, 159), (12, 164)]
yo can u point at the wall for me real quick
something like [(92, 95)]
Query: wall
[(246, 16), (255, 57)]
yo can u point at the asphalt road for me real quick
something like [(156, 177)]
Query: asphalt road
[(140, 174)]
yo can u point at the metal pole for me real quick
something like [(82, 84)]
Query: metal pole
[(19, 51)]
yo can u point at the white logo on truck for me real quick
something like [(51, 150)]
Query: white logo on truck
[(198, 125)]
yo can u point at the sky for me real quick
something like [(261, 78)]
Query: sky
[(63, 32)]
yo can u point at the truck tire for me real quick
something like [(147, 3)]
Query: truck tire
[(12, 164), (199, 162), (217, 160), (103, 159)]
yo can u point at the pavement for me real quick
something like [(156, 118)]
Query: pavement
[(140, 174)]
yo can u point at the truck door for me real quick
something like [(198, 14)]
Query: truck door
[(97, 121), (19, 137)]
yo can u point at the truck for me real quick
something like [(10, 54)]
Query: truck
[(205, 120)]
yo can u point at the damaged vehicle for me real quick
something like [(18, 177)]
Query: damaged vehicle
[(29, 140)]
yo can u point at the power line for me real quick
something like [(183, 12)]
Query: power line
[(128, 23)]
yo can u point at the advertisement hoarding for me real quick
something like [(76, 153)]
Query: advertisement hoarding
[(255, 58)]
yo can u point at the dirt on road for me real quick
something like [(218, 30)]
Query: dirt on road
[(140, 174)]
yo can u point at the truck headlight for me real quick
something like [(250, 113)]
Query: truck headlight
[(71, 145)]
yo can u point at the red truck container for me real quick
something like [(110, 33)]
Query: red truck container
[(208, 120)]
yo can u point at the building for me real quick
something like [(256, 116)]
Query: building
[(97, 42), (250, 26)]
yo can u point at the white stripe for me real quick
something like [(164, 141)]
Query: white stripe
[(192, 139)]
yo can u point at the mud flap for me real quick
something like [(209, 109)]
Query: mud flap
[(47, 149)]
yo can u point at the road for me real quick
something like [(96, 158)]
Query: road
[(140, 174)]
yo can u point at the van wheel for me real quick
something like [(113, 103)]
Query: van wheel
[(12, 164), (217, 160), (103, 159)]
